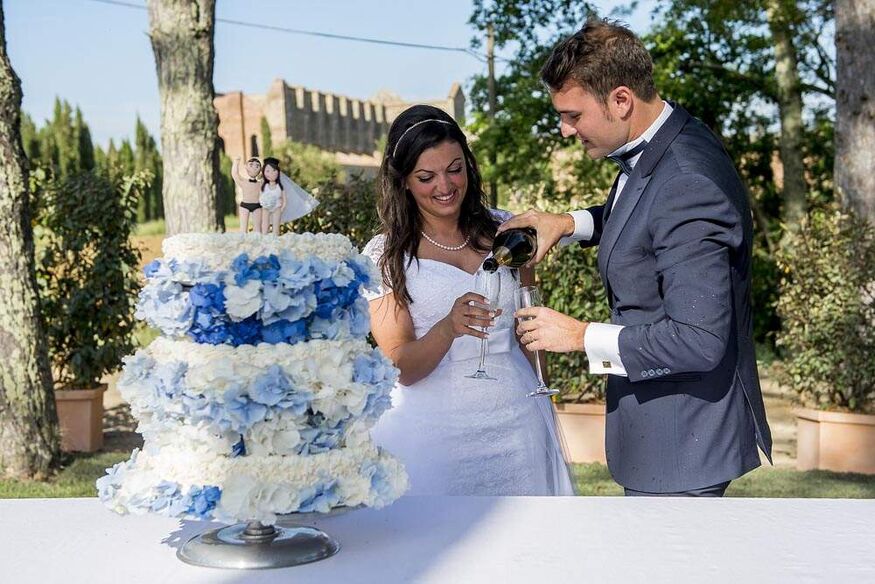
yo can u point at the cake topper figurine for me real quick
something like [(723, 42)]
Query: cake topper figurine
[(272, 197), (249, 193), (267, 196), (281, 198)]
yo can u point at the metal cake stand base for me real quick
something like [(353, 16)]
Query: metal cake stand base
[(253, 546)]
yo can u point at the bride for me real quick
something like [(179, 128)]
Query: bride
[(456, 436)]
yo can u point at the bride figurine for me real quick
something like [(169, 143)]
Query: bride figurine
[(282, 199)]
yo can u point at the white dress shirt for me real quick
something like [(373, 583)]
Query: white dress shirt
[(602, 340)]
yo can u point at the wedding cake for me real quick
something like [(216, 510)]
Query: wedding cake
[(258, 397)]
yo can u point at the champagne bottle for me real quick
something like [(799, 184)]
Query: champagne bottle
[(512, 248)]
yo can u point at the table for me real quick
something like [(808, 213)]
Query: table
[(474, 539)]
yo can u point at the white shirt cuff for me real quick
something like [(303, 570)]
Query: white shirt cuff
[(584, 226), (602, 345)]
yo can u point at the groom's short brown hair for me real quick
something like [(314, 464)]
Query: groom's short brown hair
[(600, 57)]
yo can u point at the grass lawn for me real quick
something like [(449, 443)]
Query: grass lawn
[(77, 478), (594, 479)]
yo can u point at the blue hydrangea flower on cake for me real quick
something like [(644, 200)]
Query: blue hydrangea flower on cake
[(258, 398), (270, 291)]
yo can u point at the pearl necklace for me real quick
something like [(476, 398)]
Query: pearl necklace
[(463, 245)]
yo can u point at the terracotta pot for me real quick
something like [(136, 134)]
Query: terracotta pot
[(835, 441), (80, 413), (584, 428)]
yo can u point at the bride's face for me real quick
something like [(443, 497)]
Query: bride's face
[(439, 181), (270, 173)]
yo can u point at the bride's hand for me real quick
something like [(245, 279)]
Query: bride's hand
[(465, 316)]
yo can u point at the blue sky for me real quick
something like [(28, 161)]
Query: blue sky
[(98, 56)]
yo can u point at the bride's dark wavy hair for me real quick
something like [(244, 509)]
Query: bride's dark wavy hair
[(400, 219)]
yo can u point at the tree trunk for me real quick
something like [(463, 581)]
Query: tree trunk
[(780, 14), (855, 105), (182, 41), (29, 437)]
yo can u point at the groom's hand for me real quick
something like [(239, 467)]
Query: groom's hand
[(549, 330), (551, 227)]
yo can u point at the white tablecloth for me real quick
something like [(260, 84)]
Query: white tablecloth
[(474, 539)]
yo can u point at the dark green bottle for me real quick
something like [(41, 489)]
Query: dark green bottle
[(512, 248)]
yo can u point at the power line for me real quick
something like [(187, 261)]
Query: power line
[(467, 51)]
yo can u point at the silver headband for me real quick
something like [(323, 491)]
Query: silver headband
[(395, 150)]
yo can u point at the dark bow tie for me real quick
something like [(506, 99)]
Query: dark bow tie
[(255, 180), (624, 159)]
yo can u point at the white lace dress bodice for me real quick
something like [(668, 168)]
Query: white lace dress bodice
[(460, 436), (270, 197)]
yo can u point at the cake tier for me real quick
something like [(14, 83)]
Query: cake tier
[(245, 289), (258, 399), (185, 482)]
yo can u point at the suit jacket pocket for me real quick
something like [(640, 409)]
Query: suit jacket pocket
[(682, 377), (633, 279), (629, 255)]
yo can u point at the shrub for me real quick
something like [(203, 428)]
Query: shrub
[(569, 276), (827, 306), (349, 208), (86, 268), (307, 165)]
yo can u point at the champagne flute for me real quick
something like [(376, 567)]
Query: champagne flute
[(524, 297), (488, 285)]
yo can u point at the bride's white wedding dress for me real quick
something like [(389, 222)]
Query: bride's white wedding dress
[(460, 436)]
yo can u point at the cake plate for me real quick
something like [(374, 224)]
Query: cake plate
[(255, 546)]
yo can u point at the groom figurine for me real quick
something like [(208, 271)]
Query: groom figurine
[(684, 408)]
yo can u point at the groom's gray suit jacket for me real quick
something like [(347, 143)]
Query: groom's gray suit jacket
[(675, 260)]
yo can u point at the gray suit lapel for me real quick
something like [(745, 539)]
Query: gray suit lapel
[(626, 202), (628, 199)]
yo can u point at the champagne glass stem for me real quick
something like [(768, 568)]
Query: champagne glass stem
[(538, 368), (482, 366)]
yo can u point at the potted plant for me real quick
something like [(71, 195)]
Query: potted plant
[(827, 306), (87, 274)]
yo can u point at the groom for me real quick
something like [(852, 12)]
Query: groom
[(684, 409)]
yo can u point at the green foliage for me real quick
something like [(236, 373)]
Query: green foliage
[(827, 305), (86, 270), (148, 159), (227, 204), (569, 276), (62, 147), (528, 25), (307, 165), (570, 281), (524, 133), (348, 208), (30, 138), (266, 141)]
